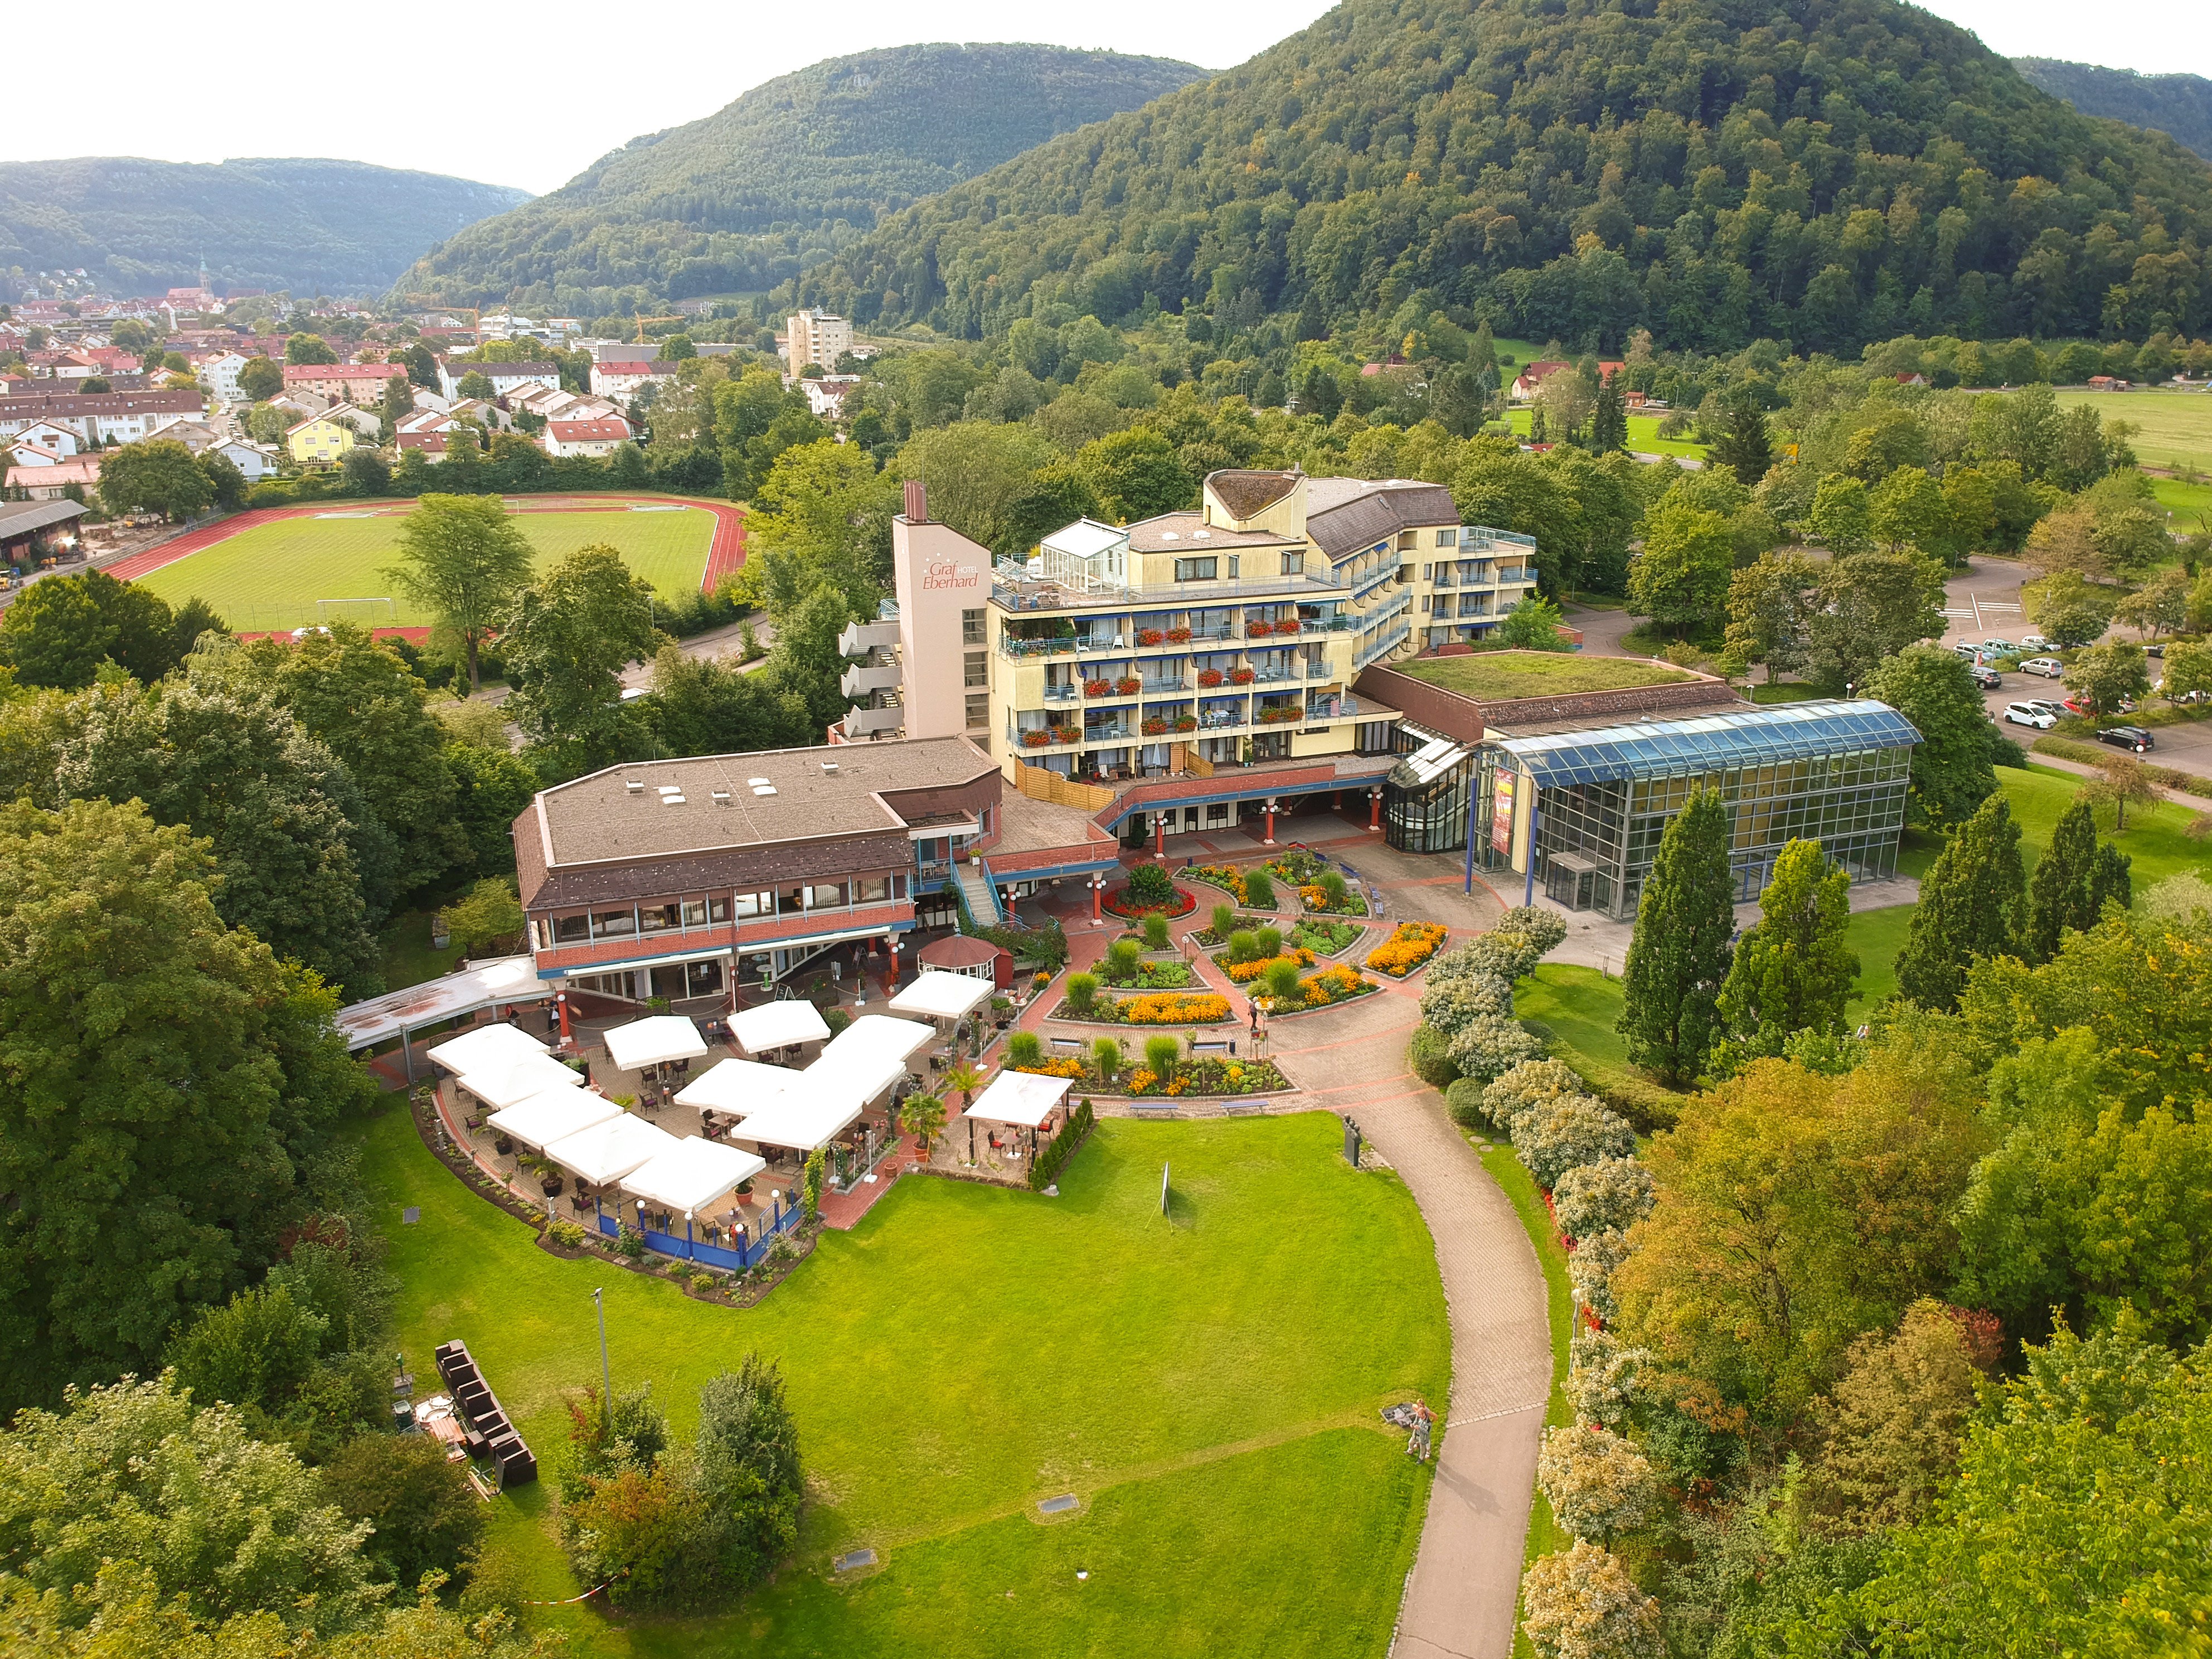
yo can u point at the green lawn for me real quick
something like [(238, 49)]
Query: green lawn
[(1495, 676), (2176, 427), (408, 957), (2153, 839), (271, 575), (1643, 434), (2190, 504), (1207, 1382), (1786, 691)]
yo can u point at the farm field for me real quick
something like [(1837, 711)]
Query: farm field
[(1643, 434), (271, 575), (2176, 425), (1207, 1384)]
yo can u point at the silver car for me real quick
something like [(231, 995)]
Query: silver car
[(2050, 667)]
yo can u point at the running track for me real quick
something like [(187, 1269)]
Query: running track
[(725, 554)]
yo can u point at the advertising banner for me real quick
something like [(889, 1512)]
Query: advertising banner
[(1501, 810)]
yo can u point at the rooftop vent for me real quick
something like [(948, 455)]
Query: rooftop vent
[(636, 787), (830, 767), (721, 797), (1167, 535), (756, 782), (765, 789), (1201, 535), (671, 788), (671, 800)]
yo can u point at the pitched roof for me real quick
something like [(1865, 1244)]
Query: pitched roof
[(21, 518), (342, 372), (102, 403), (1245, 493), (500, 371), (587, 431), (1358, 513)]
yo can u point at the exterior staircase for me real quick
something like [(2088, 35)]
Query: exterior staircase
[(981, 892)]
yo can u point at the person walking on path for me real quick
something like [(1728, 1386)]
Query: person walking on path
[(1418, 1447)]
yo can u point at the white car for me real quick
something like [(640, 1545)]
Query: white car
[(2037, 642), (1998, 648), (2028, 714), (2050, 667)]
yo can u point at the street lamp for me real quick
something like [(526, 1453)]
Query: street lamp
[(606, 1379)]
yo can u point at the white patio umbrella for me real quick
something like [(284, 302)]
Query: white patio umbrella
[(877, 1036), (691, 1177), (508, 1083), (939, 995), (739, 1086), (804, 1124), (1021, 1098), (777, 1025), (542, 1118), (607, 1151), (477, 1050), (644, 1042)]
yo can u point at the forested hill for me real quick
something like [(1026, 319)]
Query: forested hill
[(740, 199), (2180, 105), (339, 228), (1829, 171)]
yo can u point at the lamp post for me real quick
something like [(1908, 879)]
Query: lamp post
[(1374, 809), (606, 1378), (1270, 841), (1098, 897)]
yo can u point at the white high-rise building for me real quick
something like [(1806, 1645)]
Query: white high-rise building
[(817, 337)]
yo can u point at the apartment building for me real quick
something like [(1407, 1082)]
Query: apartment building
[(819, 337), (356, 383), (109, 417)]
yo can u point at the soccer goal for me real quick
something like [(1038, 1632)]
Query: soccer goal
[(362, 613)]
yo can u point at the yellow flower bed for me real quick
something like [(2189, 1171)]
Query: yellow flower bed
[(1059, 1066), (1243, 973), (1414, 944), (1225, 876), (1145, 1081), (1332, 985), (1175, 1008)]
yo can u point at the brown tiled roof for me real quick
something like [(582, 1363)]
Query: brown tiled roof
[(103, 403), (1377, 514), (1245, 493), (765, 869)]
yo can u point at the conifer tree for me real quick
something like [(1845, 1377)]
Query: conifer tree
[(1792, 972), (1609, 421), (2059, 896), (1973, 903), (1482, 358), (1313, 324), (1744, 443), (2109, 879), (1678, 958)]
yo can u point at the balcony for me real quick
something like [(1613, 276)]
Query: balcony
[(1175, 687), (1271, 674), (1010, 647), (1519, 574), (866, 722), (865, 678), (1124, 733), (1374, 578), (1319, 671), (1063, 691), (1378, 647), (1278, 713)]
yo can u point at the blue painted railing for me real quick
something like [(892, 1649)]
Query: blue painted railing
[(711, 1255)]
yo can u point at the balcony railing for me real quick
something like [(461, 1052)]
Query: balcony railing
[(1108, 733), (1269, 675), (1319, 671), (1373, 579), (1375, 649), (1520, 575)]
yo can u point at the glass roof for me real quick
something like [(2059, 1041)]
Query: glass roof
[(1747, 736)]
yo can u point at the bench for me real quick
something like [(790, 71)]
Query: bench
[(490, 1434)]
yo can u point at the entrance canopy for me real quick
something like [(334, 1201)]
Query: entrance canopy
[(1022, 1097), (480, 1049), (691, 1175), (607, 1151), (644, 1042), (510, 1082), (740, 1085), (878, 1037), (542, 1119), (493, 984), (943, 996), (777, 1025)]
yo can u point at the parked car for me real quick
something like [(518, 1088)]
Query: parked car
[(1988, 678), (2128, 737), (2055, 709), (2050, 667), (2028, 713), (2078, 704), (1970, 653), (2155, 648), (2037, 642), (1998, 648)]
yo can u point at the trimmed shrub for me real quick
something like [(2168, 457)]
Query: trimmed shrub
[(1567, 1132), (1601, 1376), (1429, 1058), (1612, 1192), (1106, 1055), (1270, 941), (1526, 1086), (1150, 884), (1596, 1483), (1121, 959), (1156, 932), (1259, 889), (1082, 992), (1590, 1267), (1025, 1049), (1161, 1055), (1045, 1169), (1463, 1100)]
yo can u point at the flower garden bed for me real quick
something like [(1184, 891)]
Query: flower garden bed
[(1325, 990), (1409, 949), (1206, 939), (1149, 892), (1171, 976), (1325, 937), (1227, 877), (1247, 973), (1210, 1077), (1158, 1008)]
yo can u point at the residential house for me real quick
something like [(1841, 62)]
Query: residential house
[(430, 445), (1526, 383), (48, 479), (626, 378), (356, 383), (364, 422), (51, 434), (585, 437), (826, 397), (108, 417), (505, 378), (218, 372), (256, 461), (195, 435), (319, 442)]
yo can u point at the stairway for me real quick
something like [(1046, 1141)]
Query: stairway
[(982, 897)]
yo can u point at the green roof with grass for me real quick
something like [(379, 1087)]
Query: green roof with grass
[(1501, 675)]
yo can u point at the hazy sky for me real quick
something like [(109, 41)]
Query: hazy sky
[(581, 83)]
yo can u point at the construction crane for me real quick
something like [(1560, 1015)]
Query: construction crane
[(642, 321)]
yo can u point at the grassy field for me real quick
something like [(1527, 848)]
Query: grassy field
[(2190, 504), (2176, 425), (1496, 675), (1643, 434), (1207, 1383), (272, 574)]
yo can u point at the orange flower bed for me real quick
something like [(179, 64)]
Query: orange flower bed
[(1334, 985), (1243, 973), (1412, 944), (1060, 1066), (1174, 1008)]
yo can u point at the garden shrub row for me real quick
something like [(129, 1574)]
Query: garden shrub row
[(1045, 1169)]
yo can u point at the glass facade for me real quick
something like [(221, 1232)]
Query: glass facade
[(1836, 773), (1424, 796)]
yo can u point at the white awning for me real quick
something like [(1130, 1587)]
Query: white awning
[(877, 1036), (739, 1085), (777, 1025), (480, 1049), (692, 1176), (608, 1152), (542, 1119), (502, 980), (862, 1076), (939, 995), (644, 1042), (1023, 1097), (802, 1124), (510, 1082)]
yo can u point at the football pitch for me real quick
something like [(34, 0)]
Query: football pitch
[(276, 575)]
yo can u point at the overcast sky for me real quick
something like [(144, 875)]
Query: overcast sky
[(173, 87)]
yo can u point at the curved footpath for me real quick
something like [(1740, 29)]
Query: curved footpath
[(725, 555), (1461, 1596)]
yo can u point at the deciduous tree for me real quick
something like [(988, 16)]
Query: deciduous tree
[(155, 475), (462, 559), (1680, 580), (1793, 971), (566, 643), (1951, 774), (2107, 675), (1892, 1430), (1580, 1603)]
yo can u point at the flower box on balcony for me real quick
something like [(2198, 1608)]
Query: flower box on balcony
[(1066, 734), (1179, 635), (1260, 630), (1240, 677), (1150, 637), (1153, 728), (1186, 722), (1128, 685), (1036, 739), (1291, 626), (1209, 677), (1097, 688)]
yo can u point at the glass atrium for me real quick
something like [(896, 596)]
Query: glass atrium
[(1833, 772)]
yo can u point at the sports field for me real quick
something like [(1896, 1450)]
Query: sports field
[(272, 576), (1206, 1382)]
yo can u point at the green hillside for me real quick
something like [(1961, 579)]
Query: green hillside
[(2178, 105), (1830, 171), (341, 227), (741, 199)]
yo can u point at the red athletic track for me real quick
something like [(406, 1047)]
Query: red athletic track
[(726, 554)]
